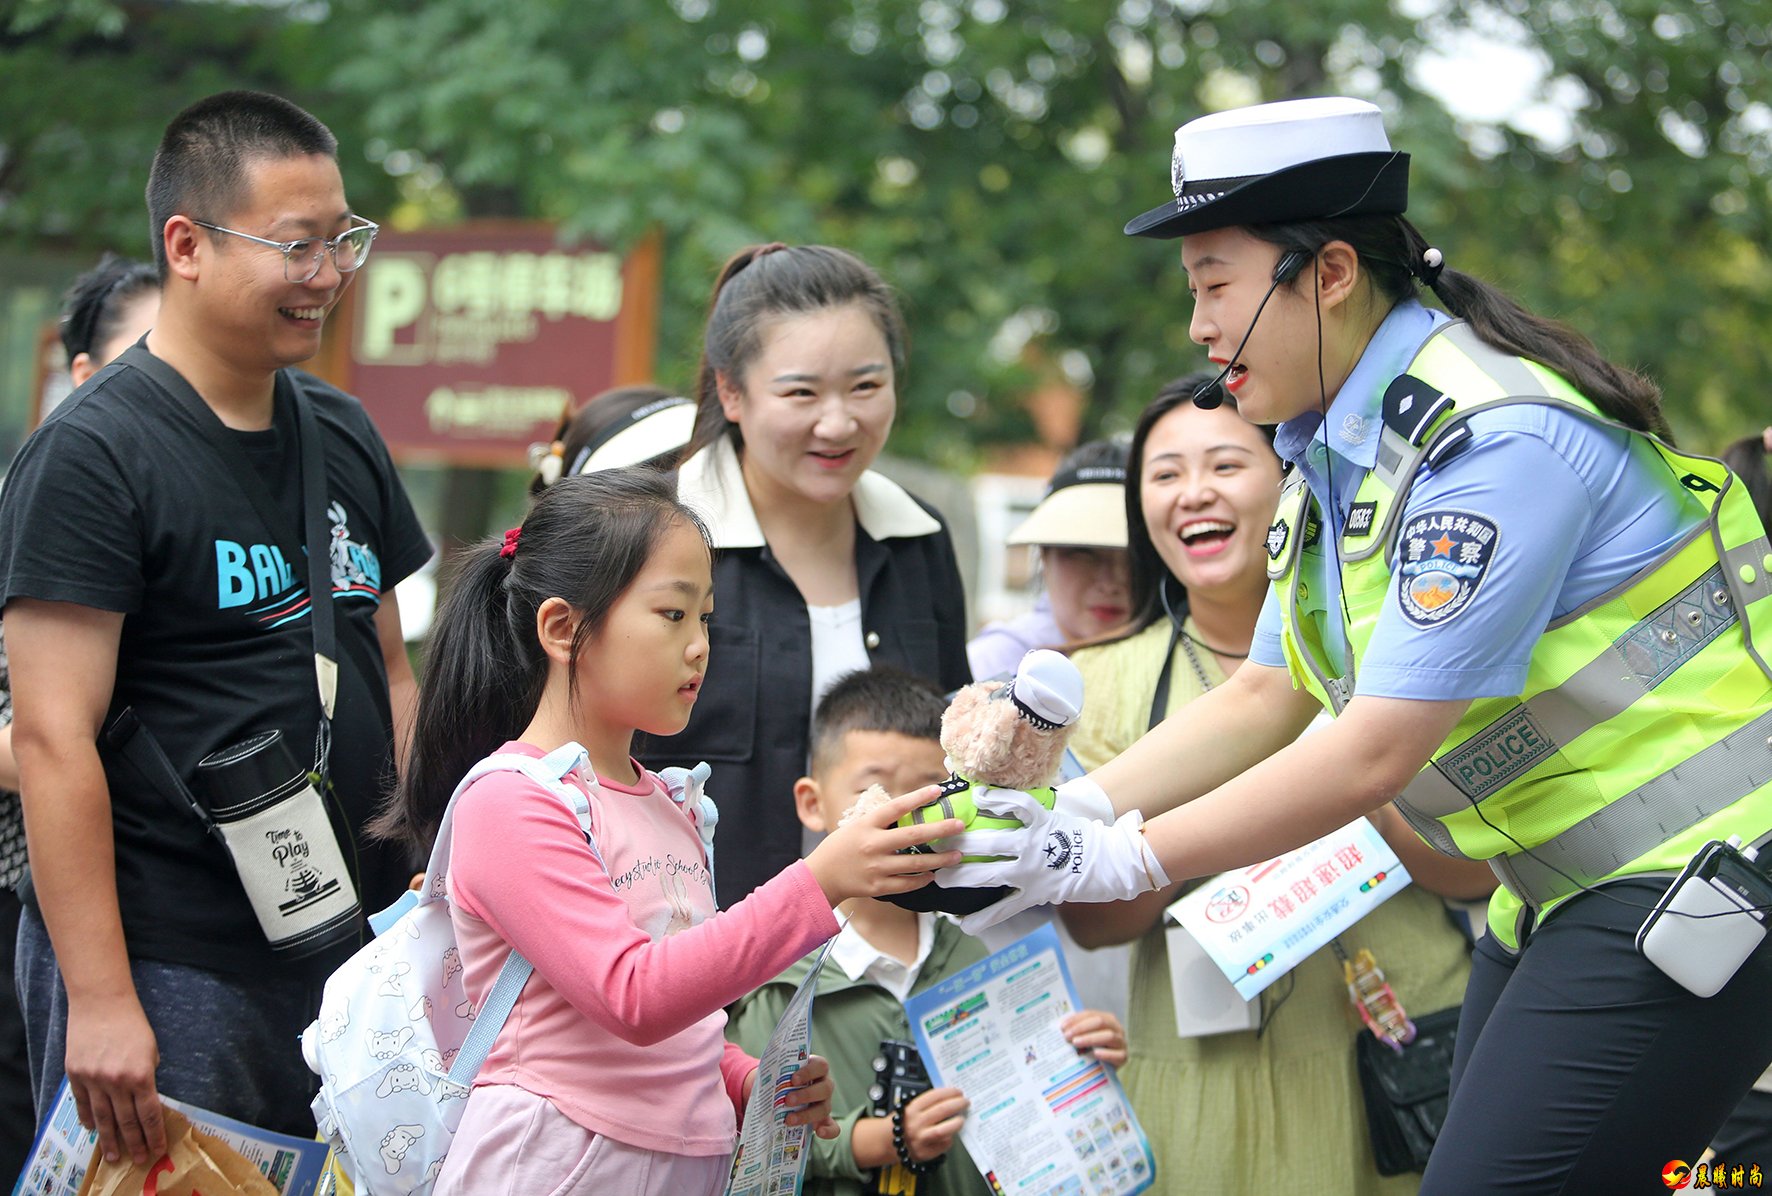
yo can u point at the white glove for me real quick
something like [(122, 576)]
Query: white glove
[(1055, 857), (1082, 797)]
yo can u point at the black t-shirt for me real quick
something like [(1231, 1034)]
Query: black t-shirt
[(118, 502)]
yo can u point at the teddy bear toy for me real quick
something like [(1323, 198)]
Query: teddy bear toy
[(997, 735)]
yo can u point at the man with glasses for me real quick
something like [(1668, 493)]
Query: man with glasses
[(140, 572)]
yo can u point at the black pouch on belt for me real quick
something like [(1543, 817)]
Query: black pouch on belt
[(1406, 1093)]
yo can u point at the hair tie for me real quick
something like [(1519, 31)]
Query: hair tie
[(511, 538), (1432, 262), (739, 263), (546, 460)]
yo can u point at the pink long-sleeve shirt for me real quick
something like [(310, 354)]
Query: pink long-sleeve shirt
[(621, 1026)]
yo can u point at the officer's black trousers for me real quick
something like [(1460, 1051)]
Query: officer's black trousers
[(1581, 1068)]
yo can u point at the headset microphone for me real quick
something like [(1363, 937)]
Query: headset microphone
[(1286, 269)]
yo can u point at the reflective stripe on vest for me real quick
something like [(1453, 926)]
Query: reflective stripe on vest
[(1645, 713)]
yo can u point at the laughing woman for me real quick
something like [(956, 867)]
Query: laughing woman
[(822, 566), (1200, 499)]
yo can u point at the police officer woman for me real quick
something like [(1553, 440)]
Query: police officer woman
[(1532, 617)]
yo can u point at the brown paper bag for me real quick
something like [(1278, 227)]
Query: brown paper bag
[(195, 1164)]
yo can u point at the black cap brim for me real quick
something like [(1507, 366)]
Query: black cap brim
[(1346, 185)]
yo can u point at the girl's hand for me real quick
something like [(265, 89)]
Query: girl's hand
[(812, 1091), (860, 858), (1096, 1032), (931, 1119)]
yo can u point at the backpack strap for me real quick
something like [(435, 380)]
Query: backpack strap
[(501, 998), (549, 772), (686, 786)]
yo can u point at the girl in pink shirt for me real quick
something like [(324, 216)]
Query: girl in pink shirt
[(612, 1074)]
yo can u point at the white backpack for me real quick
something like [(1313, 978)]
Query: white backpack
[(398, 1042)]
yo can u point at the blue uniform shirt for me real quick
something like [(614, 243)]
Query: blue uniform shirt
[(1577, 509)]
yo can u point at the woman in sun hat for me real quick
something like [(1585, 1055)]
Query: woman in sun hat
[(1280, 1085), (1536, 620), (1079, 528)]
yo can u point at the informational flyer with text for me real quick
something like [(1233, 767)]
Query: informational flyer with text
[(1045, 1120), (64, 1149), (1260, 922), (772, 1155)]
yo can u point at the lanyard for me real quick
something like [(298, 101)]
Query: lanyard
[(236, 464)]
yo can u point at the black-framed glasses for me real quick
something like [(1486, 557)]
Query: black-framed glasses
[(301, 259)]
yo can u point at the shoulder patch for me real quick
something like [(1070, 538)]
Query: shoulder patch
[(1276, 539), (1443, 558), (1411, 406)]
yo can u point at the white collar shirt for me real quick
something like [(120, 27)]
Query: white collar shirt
[(711, 483), (861, 960)]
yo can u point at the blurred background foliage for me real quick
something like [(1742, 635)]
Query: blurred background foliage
[(982, 153)]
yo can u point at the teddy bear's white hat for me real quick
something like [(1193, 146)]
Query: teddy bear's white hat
[(1047, 683)]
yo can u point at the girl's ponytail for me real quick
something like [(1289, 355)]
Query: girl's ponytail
[(482, 682)]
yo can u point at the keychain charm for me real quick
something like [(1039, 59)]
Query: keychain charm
[(1373, 999)]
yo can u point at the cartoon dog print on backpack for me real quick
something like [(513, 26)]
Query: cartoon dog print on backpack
[(385, 1044), (405, 1078), (392, 986), (396, 1142), (333, 1025)]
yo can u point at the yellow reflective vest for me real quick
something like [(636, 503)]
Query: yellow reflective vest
[(1645, 726)]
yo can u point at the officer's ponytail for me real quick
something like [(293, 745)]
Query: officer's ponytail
[(1398, 259)]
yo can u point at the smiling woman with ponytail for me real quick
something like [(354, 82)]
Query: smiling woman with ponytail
[(823, 566)]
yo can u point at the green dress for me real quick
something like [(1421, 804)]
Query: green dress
[(1278, 1111)]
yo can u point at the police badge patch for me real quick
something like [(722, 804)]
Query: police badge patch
[(1442, 558)]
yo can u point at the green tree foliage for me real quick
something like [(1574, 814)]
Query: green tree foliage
[(86, 86), (982, 153)]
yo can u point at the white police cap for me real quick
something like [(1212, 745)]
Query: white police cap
[(1274, 163)]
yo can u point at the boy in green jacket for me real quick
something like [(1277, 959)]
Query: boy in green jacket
[(883, 727)]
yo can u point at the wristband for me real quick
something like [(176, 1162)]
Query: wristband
[(904, 1151), (1147, 855)]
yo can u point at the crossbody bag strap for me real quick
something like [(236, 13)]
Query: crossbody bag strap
[(319, 547), (246, 477), (1160, 696), (321, 614)]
